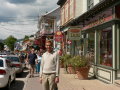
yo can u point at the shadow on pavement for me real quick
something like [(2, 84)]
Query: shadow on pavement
[(18, 85), (23, 74)]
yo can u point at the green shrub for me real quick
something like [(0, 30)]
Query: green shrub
[(79, 61), (65, 59)]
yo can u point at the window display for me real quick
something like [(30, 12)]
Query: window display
[(106, 47)]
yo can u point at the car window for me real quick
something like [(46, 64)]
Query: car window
[(13, 59), (1, 63), (8, 63)]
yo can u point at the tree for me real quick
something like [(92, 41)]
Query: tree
[(1, 46), (26, 38), (10, 41)]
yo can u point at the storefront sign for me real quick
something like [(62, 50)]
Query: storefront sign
[(58, 36), (74, 34), (98, 22)]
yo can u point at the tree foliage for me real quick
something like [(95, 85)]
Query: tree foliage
[(26, 38), (1, 46), (10, 41)]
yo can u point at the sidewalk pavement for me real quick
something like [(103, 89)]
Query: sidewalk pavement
[(71, 82)]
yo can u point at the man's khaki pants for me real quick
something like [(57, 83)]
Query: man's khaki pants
[(48, 82)]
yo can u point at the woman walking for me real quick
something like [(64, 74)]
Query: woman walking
[(38, 60)]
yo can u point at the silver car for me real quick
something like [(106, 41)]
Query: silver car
[(16, 63)]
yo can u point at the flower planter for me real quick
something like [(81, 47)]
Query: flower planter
[(71, 70), (82, 72)]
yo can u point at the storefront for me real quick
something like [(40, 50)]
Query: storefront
[(71, 40), (102, 41)]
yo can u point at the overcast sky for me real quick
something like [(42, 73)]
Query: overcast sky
[(20, 17)]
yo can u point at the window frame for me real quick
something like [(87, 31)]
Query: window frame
[(90, 4)]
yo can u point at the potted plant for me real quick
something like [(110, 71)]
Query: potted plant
[(65, 61), (70, 68), (62, 61), (82, 66)]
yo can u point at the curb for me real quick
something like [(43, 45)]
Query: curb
[(26, 82)]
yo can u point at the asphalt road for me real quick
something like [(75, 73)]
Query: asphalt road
[(20, 81)]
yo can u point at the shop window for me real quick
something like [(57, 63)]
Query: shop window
[(79, 47), (105, 47), (90, 4), (90, 46)]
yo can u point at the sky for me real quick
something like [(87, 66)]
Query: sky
[(20, 17)]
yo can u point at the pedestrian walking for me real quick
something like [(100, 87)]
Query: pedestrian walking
[(38, 60), (49, 70), (31, 57)]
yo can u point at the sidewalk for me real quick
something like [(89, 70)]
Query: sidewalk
[(70, 82)]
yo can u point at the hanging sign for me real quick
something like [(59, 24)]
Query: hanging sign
[(74, 34), (58, 36)]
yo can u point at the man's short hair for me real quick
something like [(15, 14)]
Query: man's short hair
[(48, 41)]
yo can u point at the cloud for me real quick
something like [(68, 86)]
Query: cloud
[(18, 31), (22, 15), (22, 1)]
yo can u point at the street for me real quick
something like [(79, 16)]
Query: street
[(20, 81)]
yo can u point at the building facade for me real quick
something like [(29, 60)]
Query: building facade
[(48, 24), (99, 28)]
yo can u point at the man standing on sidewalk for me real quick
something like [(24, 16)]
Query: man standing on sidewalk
[(49, 70), (31, 57)]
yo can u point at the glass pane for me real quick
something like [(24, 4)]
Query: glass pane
[(106, 47), (90, 4), (1, 63), (13, 59), (80, 47), (90, 46)]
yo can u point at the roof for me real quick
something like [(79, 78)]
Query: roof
[(55, 13)]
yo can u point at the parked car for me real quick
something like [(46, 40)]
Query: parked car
[(16, 63), (3, 54), (7, 73)]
